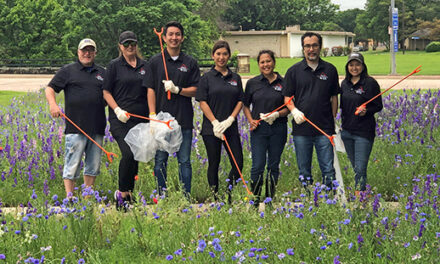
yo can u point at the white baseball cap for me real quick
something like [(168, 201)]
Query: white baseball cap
[(86, 42)]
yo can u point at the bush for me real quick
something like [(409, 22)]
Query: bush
[(346, 50), (433, 46), (337, 50), (324, 52)]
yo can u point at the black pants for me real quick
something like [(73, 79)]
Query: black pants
[(213, 149), (128, 167)]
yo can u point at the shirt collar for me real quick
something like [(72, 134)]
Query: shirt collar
[(139, 62), (305, 66), (81, 67), (217, 73), (168, 56), (262, 78)]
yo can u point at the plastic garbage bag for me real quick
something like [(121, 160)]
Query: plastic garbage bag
[(339, 144), (167, 139), (141, 142)]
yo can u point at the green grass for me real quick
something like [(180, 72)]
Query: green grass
[(6, 96), (378, 63)]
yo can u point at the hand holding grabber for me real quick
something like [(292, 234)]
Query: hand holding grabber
[(364, 105), (159, 35), (110, 155), (152, 119), (278, 108)]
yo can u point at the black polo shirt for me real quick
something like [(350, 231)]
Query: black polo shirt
[(84, 103), (353, 96), (184, 72), (312, 91), (221, 93), (264, 96), (125, 85)]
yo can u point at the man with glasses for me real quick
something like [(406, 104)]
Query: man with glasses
[(314, 85), (81, 82), (184, 75)]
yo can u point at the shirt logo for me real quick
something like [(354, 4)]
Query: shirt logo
[(99, 77), (360, 90), (323, 76), (183, 68), (278, 87), (142, 71), (233, 82)]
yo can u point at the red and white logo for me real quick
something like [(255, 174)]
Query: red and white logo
[(233, 82), (142, 71), (183, 68), (323, 76), (99, 77), (278, 87)]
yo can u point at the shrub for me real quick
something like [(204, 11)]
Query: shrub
[(346, 50), (324, 52), (433, 46), (337, 50)]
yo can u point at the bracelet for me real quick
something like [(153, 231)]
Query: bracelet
[(152, 113)]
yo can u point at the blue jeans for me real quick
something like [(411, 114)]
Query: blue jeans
[(358, 151), (184, 159), (76, 145), (267, 142), (324, 152)]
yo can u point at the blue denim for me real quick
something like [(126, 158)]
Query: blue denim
[(358, 151), (76, 145), (184, 159), (324, 152), (267, 142)]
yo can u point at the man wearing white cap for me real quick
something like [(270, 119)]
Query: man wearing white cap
[(81, 82)]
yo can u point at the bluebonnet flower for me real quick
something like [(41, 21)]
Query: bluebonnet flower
[(212, 254), (336, 260), (290, 252), (178, 252), (169, 257), (202, 245)]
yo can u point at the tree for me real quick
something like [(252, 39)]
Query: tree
[(373, 23), (434, 26), (347, 19)]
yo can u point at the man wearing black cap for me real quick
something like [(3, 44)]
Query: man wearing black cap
[(314, 84), (81, 82), (184, 75)]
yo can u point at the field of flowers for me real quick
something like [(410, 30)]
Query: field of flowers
[(397, 221)]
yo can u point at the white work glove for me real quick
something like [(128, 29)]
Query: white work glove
[(298, 116), (225, 124), (121, 114), (153, 124), (216, 128), (270, 118), (169, 86)]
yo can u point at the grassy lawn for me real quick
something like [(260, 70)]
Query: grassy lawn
[(378, 63), (6, 96)]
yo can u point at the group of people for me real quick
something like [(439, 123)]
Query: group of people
[(131, 85)]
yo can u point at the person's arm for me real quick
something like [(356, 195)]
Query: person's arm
[(54, 109), (284, 112), (334, 102), (188, 91), (252, 122), (151, 98), (108, 97), (237, 109), (207, 111), (290, 105)]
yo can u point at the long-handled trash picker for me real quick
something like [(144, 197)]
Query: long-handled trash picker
[(110, 155), (276, 109), (363, 106), (159, 35), (236, 165), (340, 189), (152, 119)]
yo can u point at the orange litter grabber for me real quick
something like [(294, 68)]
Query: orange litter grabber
[(110, 155), (1, 148), (364, 105), (320, 130), (236, 165), (152, 119), (278, 108), (159, 35)]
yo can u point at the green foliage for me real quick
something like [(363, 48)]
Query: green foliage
[(347, 19), (433, 46)]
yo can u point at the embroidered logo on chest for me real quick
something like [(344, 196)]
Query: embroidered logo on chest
[(360, 90), (233, 82), (277, 87), (142, 71), (323, 76), (183, 68), (99, 77)]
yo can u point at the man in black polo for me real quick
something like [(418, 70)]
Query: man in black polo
[(184, 75), (81, 82), (314, 84)]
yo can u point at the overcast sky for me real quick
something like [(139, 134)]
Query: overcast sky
[(350, 4)]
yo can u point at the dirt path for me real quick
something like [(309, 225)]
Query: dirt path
[(32, 83)]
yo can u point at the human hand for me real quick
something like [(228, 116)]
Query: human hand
[(169, 86), (270, 118), (121, 114), (298, 116), (227, 123)]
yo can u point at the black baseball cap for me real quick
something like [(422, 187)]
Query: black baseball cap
[(356, 56), (127, 36)]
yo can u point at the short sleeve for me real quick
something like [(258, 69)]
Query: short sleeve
[(202, 89), (109, 77), (60, 80)]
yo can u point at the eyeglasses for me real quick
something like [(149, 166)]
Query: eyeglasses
[(129, 43), (89, 50), (313, 46)]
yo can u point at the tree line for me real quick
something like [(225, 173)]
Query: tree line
[(52, 28)]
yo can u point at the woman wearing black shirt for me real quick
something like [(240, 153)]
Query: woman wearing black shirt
[(124, 93), (358, 131), (269, 136), (220, 94)]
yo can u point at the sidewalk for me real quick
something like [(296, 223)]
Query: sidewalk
[(33, 83)]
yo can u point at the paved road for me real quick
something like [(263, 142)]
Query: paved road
[(32, 83)]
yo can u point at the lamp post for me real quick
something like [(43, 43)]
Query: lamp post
[(394, 41)]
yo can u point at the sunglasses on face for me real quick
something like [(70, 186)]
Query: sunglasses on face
[(129, 43)]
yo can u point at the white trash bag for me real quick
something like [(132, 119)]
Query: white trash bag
[(141, 142), (339, 144), (167, 139)]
